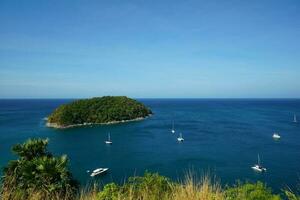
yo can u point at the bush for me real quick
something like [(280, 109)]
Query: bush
[(110, 192), (149, 186), (291, 195), (37, 174), (249, 191)]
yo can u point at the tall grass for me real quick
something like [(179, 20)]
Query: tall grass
[(188, 189), (156, 187), (191, 189)]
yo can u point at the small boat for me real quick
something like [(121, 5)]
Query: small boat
[(173, 129), (180, 138), (295, 118), (258, 167), (108, 141), (276, 136), (98, 171)]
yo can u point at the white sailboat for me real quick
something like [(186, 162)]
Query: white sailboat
[(180, 138), (173, 129), (295, 118), (258, 167), (276, 136), (108, 141)]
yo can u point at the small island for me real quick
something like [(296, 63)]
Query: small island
[(98, 110)]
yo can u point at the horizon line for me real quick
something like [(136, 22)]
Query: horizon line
[(61, 98)]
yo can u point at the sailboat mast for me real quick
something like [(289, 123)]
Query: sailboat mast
[(258, 159), (108, 136)]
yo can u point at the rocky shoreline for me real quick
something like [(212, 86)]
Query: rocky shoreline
[(55, 125)]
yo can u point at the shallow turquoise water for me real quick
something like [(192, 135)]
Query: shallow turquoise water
[(222, 137)]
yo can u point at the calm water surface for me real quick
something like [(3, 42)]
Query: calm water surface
[(222, 137)]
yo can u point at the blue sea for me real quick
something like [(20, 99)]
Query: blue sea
[(222, 137)]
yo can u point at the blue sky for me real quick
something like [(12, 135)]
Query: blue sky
[(155, 48)]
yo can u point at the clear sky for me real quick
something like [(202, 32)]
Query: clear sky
[(153, 48)]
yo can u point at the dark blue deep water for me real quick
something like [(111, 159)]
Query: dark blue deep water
[(222, 137)]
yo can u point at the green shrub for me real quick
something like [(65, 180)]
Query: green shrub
[(110, 192), (249, 191), (37, 172), (291, 195), (151, 184)]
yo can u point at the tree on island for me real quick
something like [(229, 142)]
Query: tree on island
[(99, 110)]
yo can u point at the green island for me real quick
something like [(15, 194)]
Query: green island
[(37, 174), (98, 110)]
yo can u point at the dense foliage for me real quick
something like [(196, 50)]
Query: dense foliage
[(155, 187), (248, 191), (98, 110), (152, 184), (37, 172)]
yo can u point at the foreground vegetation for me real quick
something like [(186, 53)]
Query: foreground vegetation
[(38, 175), (98, 111)]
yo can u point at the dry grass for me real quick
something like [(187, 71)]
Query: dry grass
[(188, 189), (191, 189), (15, 194), (89, 193), (34, 195)]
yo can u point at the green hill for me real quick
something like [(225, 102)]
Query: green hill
[(99, 110)]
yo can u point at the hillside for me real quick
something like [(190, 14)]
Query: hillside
[(99, 110)]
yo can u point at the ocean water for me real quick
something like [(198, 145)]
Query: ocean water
[(222, 137)]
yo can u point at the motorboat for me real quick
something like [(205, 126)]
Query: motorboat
[(276, 136), (98, 171)]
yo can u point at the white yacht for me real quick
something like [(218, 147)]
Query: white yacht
[(295, 118), (180, 138), (173, 129), (108, 141), (98, 171), (258, 167), (276, 136)]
